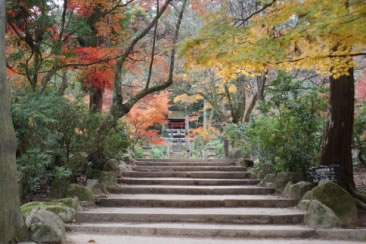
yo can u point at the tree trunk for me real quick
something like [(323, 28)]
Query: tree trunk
[(96, 100), (337, 140), (11, 220)]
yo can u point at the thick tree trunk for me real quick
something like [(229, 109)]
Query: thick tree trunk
[(337, 140), (96, 100), (11, 220)]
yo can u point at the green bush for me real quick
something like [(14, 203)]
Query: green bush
[(158, 152), (289, 129), (49, 130), (359, 132), (139, 152), (117, 141)]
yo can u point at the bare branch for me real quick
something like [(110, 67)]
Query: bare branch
[(153, 48)]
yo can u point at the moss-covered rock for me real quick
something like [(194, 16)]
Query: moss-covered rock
[(112, 165), (97, 187), (337, 199), (268, 180), (83, 193), (265, 169), (72, 202), (108, 178), (304, 204), (297, 191), (124, 167), (320, 216), (45, 227), (59, 188), (128, 159), (307, 196), (67, 214), (283, 178)]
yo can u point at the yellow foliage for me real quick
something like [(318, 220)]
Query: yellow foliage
[(187, 99), (311, 34), (205, 134)]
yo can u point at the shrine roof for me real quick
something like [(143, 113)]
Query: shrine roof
[(176, 115)]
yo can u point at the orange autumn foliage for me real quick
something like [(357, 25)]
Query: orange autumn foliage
[(150, 111)]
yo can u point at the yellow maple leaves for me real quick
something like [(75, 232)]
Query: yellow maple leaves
[(311, 34)]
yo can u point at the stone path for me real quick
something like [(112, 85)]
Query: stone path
[(178, 201)]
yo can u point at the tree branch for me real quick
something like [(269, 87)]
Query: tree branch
[(153, 48)]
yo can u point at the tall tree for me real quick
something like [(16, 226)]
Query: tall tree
[(122, 106), (11, 220), (322, 35)]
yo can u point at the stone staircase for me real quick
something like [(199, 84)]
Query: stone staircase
[(187, 199)]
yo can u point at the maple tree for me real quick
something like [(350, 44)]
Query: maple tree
[(120, 107), (220, 94), (286, 35), (11, 220), (147, 113)]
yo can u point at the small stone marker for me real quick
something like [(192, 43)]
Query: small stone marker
[(323, 172)]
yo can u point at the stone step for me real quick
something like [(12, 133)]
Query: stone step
[(183, 163), (218, 231), (186, 181), (80, 238), (194, 201), (193, 215), (189, 168), (185, 160), (172, 189), (203, 175)]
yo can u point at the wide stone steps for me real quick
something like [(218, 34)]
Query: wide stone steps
[(185, 163), (186, 181), (202, 175), (129, 239), (193, 215), (174, 201), (216, 231), (199, 190), (189, 168), (192, 201)]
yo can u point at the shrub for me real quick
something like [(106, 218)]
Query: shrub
[(49, 130), (289, 129)]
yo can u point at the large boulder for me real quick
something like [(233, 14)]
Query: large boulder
[(265, 169), (72, 202), (67, 214), (59, 188), (283, 178), (109, 179), (112, 165), (297, 191), (268, 180), (97, 187), (304, 204), (45, 227), (339, 200), (320, 216), (128, 159), (235, 153), (124, 167), (83, 193), (305, 201)]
